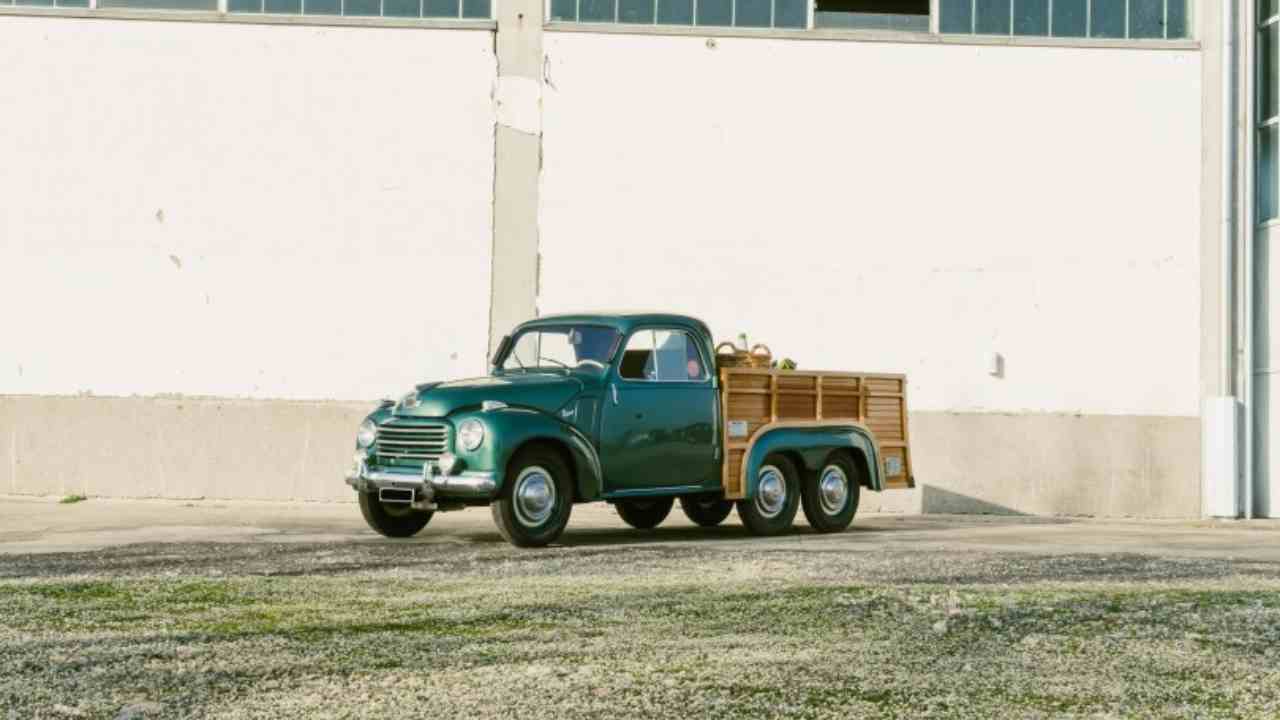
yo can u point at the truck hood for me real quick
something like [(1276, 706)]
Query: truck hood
[(547, 392)]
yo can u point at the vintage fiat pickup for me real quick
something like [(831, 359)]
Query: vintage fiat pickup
[(634, 410)]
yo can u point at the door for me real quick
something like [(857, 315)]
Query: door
[(658, 426)]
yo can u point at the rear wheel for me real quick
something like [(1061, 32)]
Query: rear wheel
[(830, 497), (397, 520), (644, 513), (773, 507), (707, 511), (536, 499)]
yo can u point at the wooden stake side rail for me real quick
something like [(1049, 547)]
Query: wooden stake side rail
[(754, 398)]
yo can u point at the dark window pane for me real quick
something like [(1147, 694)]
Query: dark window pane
[(635, 11), (1269, 42), (1177, 20), (1268, 188), (73, 3), (435, 8), (1030, 17), (1146, 18), (595, 10), (1107, 20), (401, 8), (360, 8), (790, 13), (1267, 8), (46, 3), (244, 6), (715, 12), (283, 7), (477, 9), (992, 17), (955, 16), (564, 9), (1070, 18), (675, 12), (753, 13)]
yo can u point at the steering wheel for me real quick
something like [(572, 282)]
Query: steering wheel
[(589, 361)]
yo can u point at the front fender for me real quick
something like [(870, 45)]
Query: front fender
[(509, 429), (811, 442)]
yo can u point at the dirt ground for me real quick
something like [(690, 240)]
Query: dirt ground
[(235, 610)]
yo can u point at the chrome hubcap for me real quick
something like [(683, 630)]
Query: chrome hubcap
[(535, 496), (771, 494), (833, 490)]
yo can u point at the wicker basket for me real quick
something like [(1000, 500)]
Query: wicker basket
[(730, 355)]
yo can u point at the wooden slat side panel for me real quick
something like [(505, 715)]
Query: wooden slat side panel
[(797, 407), (797, 381), (733, 477), (758, 397), (840, 407), (884, 385)]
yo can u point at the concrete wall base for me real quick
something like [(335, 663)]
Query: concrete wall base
[(179, 447)]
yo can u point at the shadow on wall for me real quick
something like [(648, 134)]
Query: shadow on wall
[(934, 499)]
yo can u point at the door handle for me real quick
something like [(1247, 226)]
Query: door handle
[(614, 390)]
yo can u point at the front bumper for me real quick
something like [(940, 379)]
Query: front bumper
[(429, 486)]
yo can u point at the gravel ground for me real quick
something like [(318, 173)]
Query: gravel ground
[(386, 629)]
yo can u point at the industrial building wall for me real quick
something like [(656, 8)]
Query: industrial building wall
[(220, 242), (1016, 228)]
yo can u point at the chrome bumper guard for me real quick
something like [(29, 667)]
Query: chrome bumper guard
[(426, 486)]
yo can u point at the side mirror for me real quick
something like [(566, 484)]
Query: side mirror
[(502, 350)]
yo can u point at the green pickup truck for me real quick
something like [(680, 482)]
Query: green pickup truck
[(631, 409)]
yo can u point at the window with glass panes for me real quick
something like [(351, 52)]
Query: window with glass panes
[(1106, 19)]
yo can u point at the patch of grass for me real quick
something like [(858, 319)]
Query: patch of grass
[(72, 499)]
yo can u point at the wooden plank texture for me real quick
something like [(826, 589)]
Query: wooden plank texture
[(754, 398)]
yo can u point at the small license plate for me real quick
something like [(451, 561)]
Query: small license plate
[(892, 466)]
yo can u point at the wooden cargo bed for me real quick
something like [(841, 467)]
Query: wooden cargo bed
[(761, 397)]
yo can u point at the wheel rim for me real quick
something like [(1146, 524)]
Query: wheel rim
[(534, 495), (833, 490), (771, 491)]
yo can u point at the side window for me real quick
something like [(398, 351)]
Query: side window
[(637, 357), (662, 356)]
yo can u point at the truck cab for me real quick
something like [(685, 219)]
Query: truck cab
[(624, 408)]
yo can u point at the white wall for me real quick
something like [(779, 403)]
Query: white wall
[(898, 207), (239, 210)]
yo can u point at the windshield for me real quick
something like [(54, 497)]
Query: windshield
[(562, 346)]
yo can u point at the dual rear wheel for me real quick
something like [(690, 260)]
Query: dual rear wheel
[(829, 497)]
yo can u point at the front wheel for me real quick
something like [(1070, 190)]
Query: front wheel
[(644, 513), (396, 520), (830, 497), (773, 507), (536, 499), (705, 511)]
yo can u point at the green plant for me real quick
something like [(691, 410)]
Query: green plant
[(72, 499)]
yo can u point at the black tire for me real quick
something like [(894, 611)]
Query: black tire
[(523, 524), (392, 520), (827, 514), (644, 513), (706, 510), (755, 512)]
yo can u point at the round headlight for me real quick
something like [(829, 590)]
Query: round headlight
[(471, 434), (367, 433)]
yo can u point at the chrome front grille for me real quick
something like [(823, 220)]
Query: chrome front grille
[(404, 443)]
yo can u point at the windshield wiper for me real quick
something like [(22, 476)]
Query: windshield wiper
[(566, 367)]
